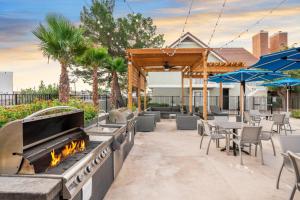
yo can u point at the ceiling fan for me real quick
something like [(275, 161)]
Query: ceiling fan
[(167, 67)]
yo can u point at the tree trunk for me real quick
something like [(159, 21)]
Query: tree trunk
[(113, 89), (118, 95), (95, 87), (64, 86)]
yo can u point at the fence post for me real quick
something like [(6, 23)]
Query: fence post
[(106, 103), (16, 99)]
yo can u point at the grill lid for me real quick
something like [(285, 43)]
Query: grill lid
[(11, 147)]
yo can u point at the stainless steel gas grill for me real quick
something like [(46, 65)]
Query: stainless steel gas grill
[(53, 144), (125, 116), (121, 125)]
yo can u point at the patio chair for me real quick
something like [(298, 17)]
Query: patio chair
[(278, 121), (250, 120), (266, 136), (287, 121), (212, 133), (287, 143), (249, 135), (295, 160)]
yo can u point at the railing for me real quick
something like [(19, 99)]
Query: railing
[(230, 103), (18, 99)]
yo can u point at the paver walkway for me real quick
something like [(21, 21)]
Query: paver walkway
[(168, 164)]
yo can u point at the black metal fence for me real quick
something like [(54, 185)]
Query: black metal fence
[(18, 99), (230, 103)]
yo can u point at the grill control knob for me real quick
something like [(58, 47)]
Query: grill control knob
[(96, 161), (88, 169), (103, 154), (79, 179)]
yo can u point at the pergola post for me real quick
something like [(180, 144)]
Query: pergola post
[(182, 90), (205, 76), (139, 94), (221, 96), (191, 95), (145, 95), (130, 80)]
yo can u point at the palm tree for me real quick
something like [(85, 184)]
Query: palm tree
[(60, 40), (93, 58), (115, 66)]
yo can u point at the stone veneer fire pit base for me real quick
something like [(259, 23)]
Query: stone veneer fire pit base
[(25, 188)]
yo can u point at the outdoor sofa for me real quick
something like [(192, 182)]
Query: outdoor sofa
[(145, 123), (186, 122), (155, 113), (166, 111)]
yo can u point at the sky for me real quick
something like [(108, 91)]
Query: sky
[(20, 53)]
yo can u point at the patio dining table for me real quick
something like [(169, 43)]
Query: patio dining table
[(228, 125)]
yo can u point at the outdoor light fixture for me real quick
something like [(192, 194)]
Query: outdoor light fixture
[(167, 67)]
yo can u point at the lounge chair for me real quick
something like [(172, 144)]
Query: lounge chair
[(215, 110)]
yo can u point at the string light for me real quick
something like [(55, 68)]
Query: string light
[(217, 23), (181, 34), (254, 24)]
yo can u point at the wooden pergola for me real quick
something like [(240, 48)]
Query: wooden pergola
[(191, 62)]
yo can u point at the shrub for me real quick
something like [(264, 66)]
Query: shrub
[(12, 113), (296, 113)]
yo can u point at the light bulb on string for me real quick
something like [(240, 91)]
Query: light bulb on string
[(98, 22)]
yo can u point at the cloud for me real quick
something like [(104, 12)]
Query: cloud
[(13, 29), (232, 23)]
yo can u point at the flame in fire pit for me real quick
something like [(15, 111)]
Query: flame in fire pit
[(69, 149)]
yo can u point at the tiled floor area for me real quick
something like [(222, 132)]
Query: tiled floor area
[(168, 164)]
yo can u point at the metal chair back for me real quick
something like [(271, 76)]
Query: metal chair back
[(221, 118), (296, 165), (250, 134), (247, 117), (278, 118)]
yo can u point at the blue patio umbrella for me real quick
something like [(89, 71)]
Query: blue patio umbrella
[(246, 75), (286, 82), (280, 61)]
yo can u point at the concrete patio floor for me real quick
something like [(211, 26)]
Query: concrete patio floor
[(168, 164)]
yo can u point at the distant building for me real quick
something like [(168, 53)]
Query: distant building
[(262, 44), (278, 41), (6, 82), (163, 84)]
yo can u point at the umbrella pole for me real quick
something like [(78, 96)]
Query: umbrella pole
[(287, 99), (242, 100)]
